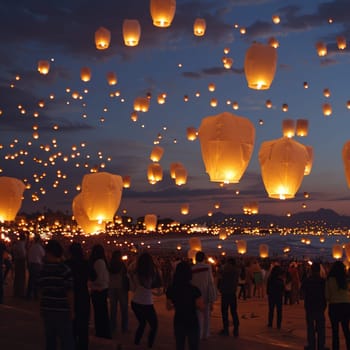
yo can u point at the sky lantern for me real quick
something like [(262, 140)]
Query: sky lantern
[(199, 27), (282, 163), (134, 116), (341, 42), (80, 216), (191, 133), (156, 154), (227, 143), (195, 244), (326, 92), (85, 74), (101, 195), (126, 181), (276, 19), (173, 167), (43, 67), (131, 32), (227, 62), (112, 78), (222, 234), (102, 38), (260, 66), (347, 251), (337, 251), (327, 109), (211, 87), (213, 102), (302, 127), (161, 99), (288, 127), (268, 104), (263, 251), (180, 176), (235, 105), (141, 104), (241, 246), (150, 222), (154, 173), (11, 194), (346, 161), (162, 12), (273, 42), (321, 49), (310, 160), (185, 209)]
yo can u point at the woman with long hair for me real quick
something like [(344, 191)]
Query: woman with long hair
[(118, 291), (186, 299), (99, 291), (338, 297), (144, 277)]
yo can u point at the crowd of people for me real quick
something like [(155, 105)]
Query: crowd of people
[(74, 286)]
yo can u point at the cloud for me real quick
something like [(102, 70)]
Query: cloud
[(212, 71)]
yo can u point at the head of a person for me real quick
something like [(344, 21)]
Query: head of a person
[(338, 271), (183, 273), (76, 251), (200, 256), (145, 268), (276, 272), (97, 252), (315, 268), (54, 249)]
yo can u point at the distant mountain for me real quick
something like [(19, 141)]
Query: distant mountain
[(320, 218)]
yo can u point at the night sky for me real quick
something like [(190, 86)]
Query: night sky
[(95, 131)]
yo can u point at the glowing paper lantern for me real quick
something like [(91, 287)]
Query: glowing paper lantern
[(112, 78), (11, 192), (180, 176), (126, 181), (211, 87), (154, 173), (337, 251), (173, 167), (141, 104), (214, 102), (227, 62), (327, 109), (222, 234), (43, 67), (157, 154), (101, 195), (162, 12), (80, 216), (346, 161), (195, 244), (227, 143), (347, 251), (273, 42), (199, 27), (185, 209), (131, 32), (102, 38), (288, 127), (283, 162), (326, 93), (302, 127), (276, 19), (191, 133), (241, 246), (310, 160), (260, 66), (263, 251), (85, 74), (321, 49), (150, 222), (341, 42)]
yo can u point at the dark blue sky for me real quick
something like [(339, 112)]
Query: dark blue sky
[(96, 130)]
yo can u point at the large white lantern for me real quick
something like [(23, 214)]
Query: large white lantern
[(283, 162), (162, 12), (11, 193), (101, 195), (260, 66), (227, 143)]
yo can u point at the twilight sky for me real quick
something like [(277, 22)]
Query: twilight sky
[(95, 130)]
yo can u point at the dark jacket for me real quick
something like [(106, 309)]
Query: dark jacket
[(228, 279), (314, 290)]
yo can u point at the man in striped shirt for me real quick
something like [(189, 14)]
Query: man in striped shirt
[(56, 302)]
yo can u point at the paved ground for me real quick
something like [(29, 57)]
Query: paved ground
[(21, 328)]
